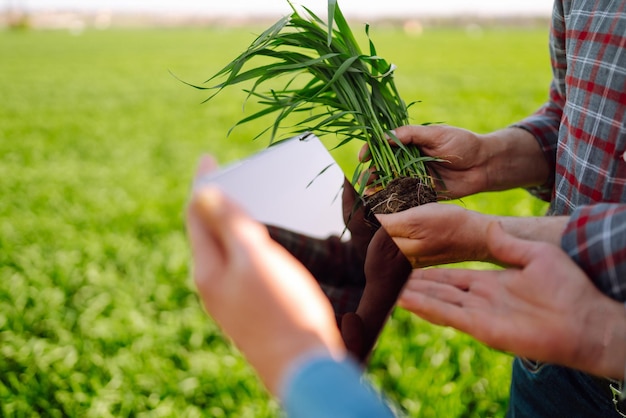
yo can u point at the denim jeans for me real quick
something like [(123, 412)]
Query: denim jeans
[(545, 391)]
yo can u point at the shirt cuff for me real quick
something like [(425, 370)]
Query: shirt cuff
[(318, 385), (532, 126)]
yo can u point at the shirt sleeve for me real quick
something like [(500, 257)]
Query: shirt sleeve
[(323, 387), (595, 237)]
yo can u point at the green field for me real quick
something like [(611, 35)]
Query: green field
[(98, 144)]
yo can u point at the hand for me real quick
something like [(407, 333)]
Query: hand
[(354, 217), (362, 277), (545, 308), (474, 163), (385, 269), (464, 170), (438, 233), (386, 272), (265, 300)]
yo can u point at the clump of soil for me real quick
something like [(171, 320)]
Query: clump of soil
[(401, 194)]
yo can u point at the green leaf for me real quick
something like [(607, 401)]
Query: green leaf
[(330, 88), (320, 173), (332, 5)]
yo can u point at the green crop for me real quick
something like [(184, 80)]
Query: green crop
[(331, 87)]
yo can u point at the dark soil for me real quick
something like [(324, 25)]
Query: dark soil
[(401, 194)]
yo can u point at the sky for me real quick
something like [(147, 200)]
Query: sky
[(365, 8)]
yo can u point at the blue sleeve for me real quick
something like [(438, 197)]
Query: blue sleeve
[(324, 387)]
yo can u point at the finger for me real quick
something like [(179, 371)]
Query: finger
[(509, 249), (349, 204), (475, 318), (207, 255), (368, 176), (459, 278), (354, 215), (433, 309), (481, 284), (438, 289), (386, 272), (396, 223), (365, 154), (415, 135), (206, 165), (233, 231), (204, 170)]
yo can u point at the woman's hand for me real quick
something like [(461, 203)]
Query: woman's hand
[(260, 296)]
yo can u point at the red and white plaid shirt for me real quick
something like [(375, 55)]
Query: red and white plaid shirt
[(582, 133)]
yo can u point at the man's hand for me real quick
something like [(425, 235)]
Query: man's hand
[(474, 163), (464, 169), (544, 308), (438, 233)]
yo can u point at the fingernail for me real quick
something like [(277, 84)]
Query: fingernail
[(209, 200)]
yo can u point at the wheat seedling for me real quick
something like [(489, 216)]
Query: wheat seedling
[(331, 87)]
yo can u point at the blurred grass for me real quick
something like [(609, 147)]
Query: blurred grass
[(98, 144)]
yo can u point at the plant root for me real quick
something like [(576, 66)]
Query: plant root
[(401, 194)]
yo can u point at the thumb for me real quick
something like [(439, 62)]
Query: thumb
[(507, 248), (395, 224), (232, 229), (206, 165)]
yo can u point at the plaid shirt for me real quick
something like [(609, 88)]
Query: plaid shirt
[(582, 134)]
